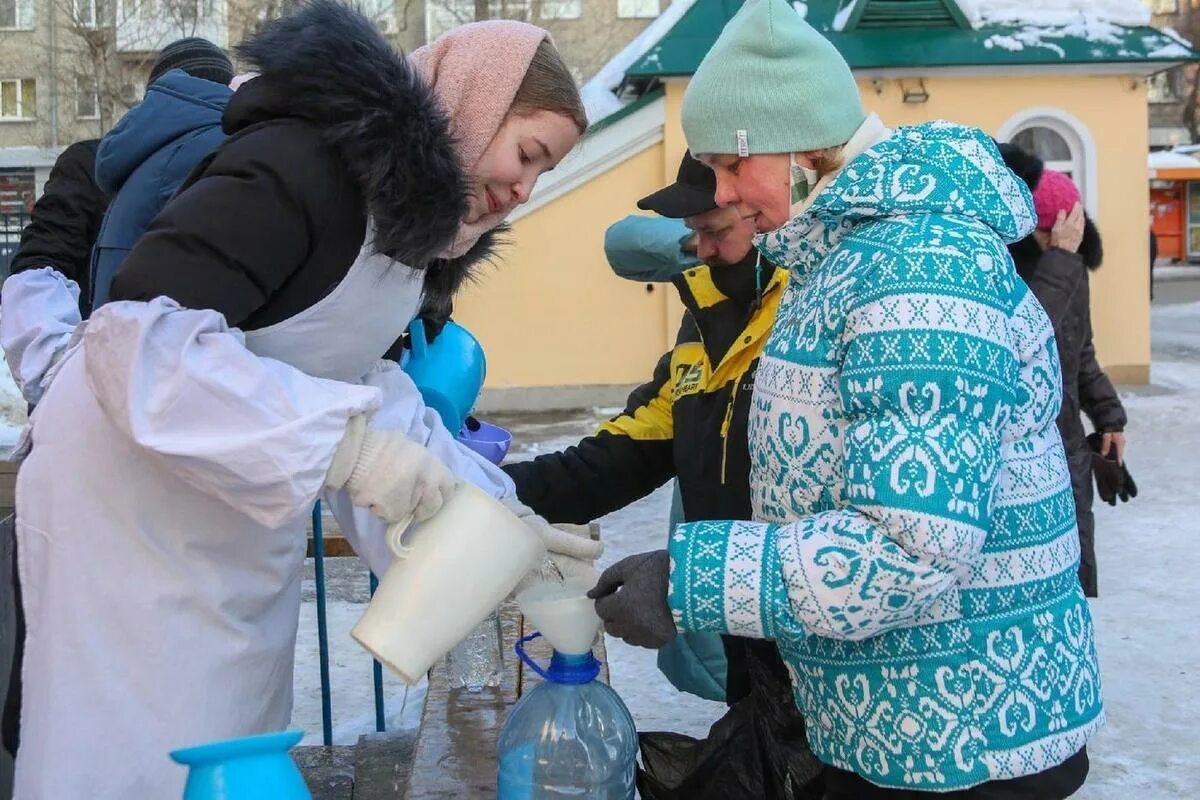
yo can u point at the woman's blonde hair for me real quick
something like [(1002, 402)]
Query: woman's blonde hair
[(826, 160), (549, 86)]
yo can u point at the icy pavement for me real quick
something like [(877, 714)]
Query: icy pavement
[(1149, 563)]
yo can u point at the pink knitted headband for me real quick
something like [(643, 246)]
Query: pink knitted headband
[(475, 71)]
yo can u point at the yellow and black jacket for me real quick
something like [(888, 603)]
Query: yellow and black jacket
[(688, 422)]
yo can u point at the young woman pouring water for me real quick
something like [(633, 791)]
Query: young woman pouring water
[(185, 436)]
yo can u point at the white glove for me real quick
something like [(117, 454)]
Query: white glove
[(570, 547), (390, 474)]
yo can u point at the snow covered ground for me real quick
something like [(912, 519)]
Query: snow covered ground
[(12, 409), (1148, 552), (353, 698)]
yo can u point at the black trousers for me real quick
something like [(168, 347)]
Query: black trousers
[(1055, 783)]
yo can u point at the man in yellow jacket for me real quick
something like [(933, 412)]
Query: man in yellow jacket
[(688, 421)]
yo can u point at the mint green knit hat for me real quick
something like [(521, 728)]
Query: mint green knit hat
[(770, 84)]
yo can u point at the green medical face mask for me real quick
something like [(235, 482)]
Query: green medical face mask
[(802, 182)]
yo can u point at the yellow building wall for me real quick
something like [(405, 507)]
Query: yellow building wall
[(553, 314)]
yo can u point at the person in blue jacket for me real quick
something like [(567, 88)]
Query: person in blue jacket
[(144, 159)]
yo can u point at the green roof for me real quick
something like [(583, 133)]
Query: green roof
[(627, 109), (893, 34)]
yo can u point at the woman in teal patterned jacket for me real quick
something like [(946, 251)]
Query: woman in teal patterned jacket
[(914, 552)]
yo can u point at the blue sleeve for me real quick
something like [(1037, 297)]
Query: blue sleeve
[(648, 248)]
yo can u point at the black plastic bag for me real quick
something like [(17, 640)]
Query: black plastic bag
[(758, 750)]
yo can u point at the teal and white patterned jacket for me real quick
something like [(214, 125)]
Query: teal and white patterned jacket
[(916, 555)]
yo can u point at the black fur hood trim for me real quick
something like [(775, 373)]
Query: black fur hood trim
[(1029, 168), (328, 64), (446, 276)]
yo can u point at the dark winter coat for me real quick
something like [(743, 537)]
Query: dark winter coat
[(65, 220), (338, 127), (1059, 280), (145, 158), (700, 390)]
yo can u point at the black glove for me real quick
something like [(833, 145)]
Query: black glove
[(1112, 477), (631, 598)]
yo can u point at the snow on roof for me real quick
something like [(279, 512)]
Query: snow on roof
[(843, 15), (1037, 21), (1169, 159), (1089, 29), (1174, 34), (1172, 50), (1055, 13), (1039, 24), (1020, 39), (599, 99)]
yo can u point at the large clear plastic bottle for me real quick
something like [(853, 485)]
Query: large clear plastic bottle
[(569, 737)]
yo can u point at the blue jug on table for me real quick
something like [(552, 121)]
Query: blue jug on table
[(249, 768), (448, 371)]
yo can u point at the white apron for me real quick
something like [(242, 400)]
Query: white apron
[(161, 583)]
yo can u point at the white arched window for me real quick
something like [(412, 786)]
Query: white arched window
[(1060, 140)]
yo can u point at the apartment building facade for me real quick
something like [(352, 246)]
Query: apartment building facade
[(70, 68), (1174, 118)]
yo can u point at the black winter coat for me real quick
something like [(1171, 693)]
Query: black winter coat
[(66, 220), (338, 128), (1059, 280), (689, 421)]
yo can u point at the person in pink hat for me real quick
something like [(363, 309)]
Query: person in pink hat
[(1055, 262), (238, 375)]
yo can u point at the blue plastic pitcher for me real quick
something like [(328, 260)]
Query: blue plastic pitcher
[(249, 768), (449, 371)]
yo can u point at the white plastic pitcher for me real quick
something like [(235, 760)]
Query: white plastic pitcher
[(450, 572)]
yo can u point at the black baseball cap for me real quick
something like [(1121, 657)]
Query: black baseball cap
[(692, 193)]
